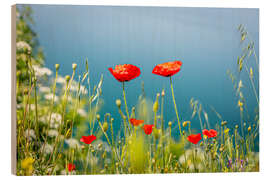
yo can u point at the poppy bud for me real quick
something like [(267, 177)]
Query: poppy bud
[(100, 145), (119, 142), (201, 144), (249, 129), (185, 123), (106, 166), (57, 67), (92, 150), (112, 119), (118, 103), (74, 66), (184, 132), (163, 92), (67, 78), (223, 123), (98, 117), (117, 164), (105, 126), (170, 124), (236, 126), (155, 106)]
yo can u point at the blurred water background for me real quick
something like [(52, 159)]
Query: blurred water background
[(206, 40)]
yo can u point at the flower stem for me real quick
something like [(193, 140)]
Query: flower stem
[(124, 95), (175, 107)]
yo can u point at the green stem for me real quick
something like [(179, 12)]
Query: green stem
[(124, 95), (175, 107)]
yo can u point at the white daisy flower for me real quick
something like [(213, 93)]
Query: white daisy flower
[(82, 112), (30, 134), (44, 89), (50, 97), (22, 45), (52, 133), (72, 143)]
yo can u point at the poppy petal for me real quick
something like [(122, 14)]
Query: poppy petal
[(167, 69), (194, 138), (88, 139)]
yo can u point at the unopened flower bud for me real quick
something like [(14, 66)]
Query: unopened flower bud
[(185, 123), (98, 117), (57, 67), (236, 126), (163, 93), (74, 66), (67, 78), (118, 103), (249, 129), (223, 123), (155, 106), (170, 124), (105, 126)]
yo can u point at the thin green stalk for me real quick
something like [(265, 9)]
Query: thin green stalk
[(162, 128), (51, 110), (124, 96), (175, 107)]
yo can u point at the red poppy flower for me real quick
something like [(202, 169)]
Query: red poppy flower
[(71, 167), (88, 139), (148, 128), (194, 138), (167, 69), (211, 133), (125, 72), (136, 122)]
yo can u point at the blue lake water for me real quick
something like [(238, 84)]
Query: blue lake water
[(206, 40)]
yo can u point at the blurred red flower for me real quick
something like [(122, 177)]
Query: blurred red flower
[(194, 138), (71, 167), (211, 133), (125, 72), (88, 139), (148, 128), (167, 69), (136, 122)]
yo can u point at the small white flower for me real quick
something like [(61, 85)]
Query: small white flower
[(48, 148), (55, 120), (73, 143), (44, 89), (82, 112), (22, 45), (52, 133), (50, 97), (30, 134), (43, 119), (32, 107), (61, 80), (41, 71)]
